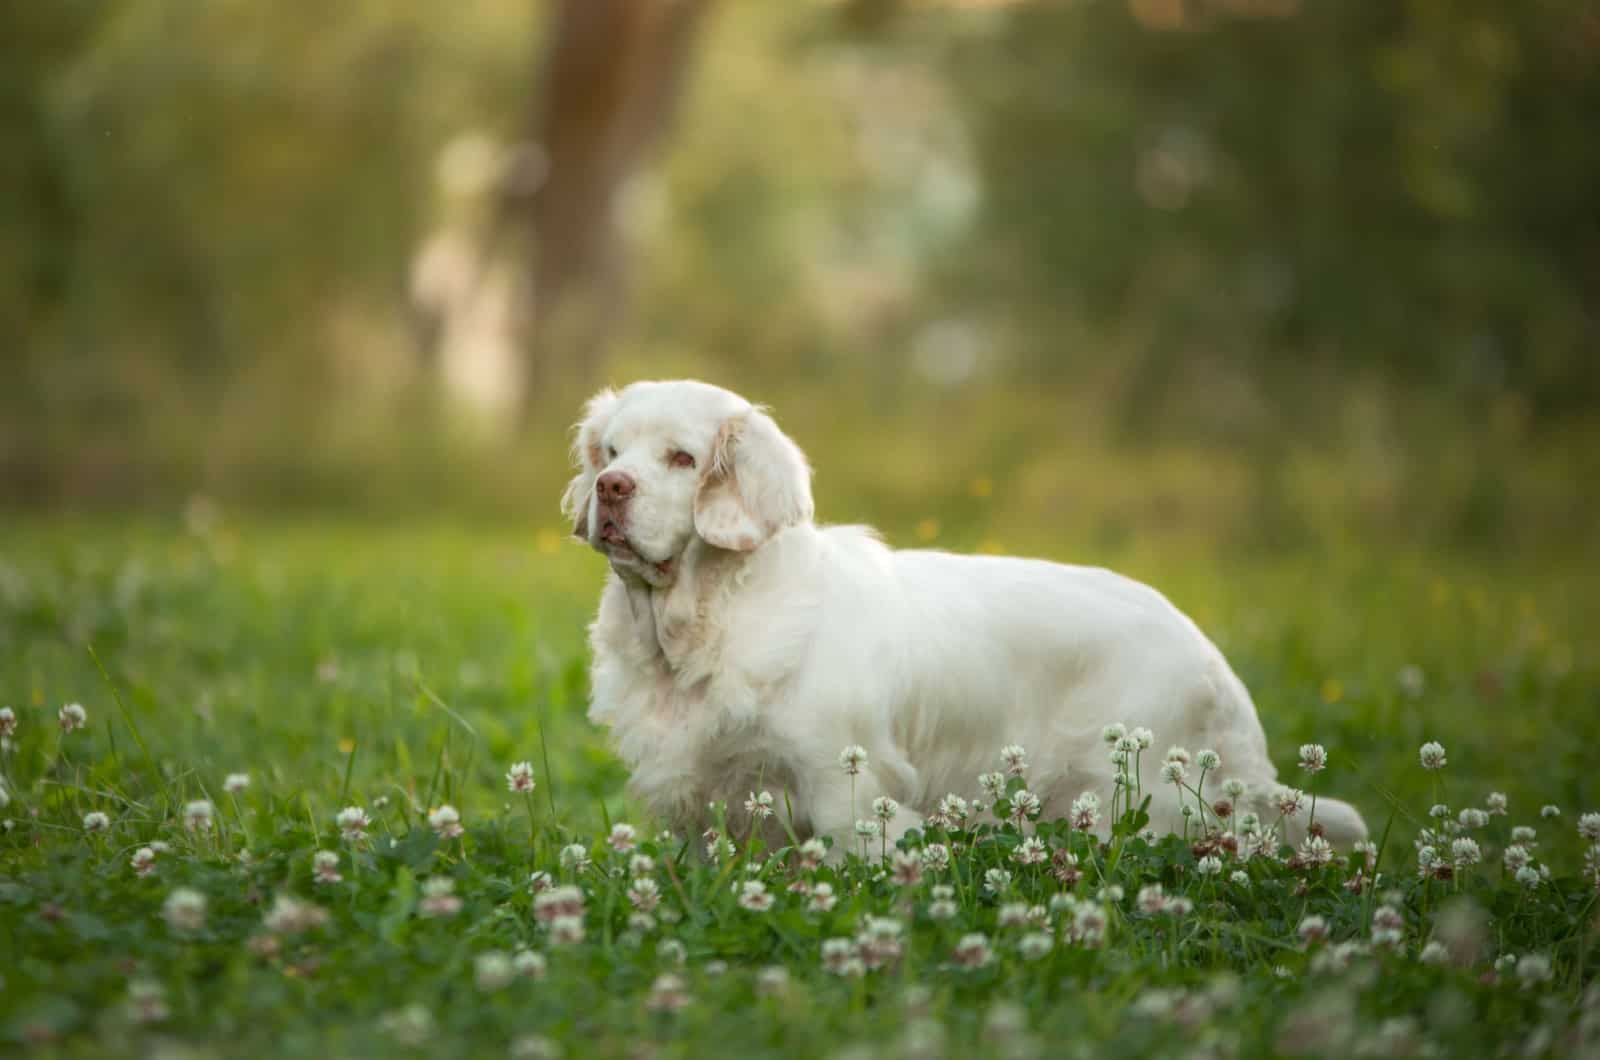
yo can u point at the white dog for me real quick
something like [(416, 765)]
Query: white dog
[(740, 647)]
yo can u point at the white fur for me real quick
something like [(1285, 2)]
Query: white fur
[(739, 646)]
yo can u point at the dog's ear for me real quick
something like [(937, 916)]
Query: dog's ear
[(756, 483), (588, 459)]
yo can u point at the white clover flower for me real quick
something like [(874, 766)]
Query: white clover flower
[(623, 838), (645, 894), (143, 862), (1528, 876), (409, 1026), (290, 916), (812, 853), (759, 805), (1084, 813), (1315, 851), (234, 783), (942, 909), (772, 981), (1439, 811), (972, 952), (147, 1001), (95, 821), (493, 971), (1432, 755), (995, 881), (1030, 851), (566, 930), (1174, 772), (884, 808), (853, 759), (1178, 906), (1495, 803), (1524, 835), (1289, 801), (8, 722), (1589, 827), (1313, 757), (1312, 929), (1473, 818), (993, 785), (1208, 760), (1152, 899), (754, 897), (1533, 969), (519, 778), (446, 822), (839, 957), (574, 856), (867, 829), (822, 898), (185, 910), (353, 823), (1515, 857), (1014, 758), (72, 716), (1178, 754), (529, 964), (1239, 878), (1011, 914), (1035, 945), (1210, 865), (1550, 811), (1465, 852), (950, 814), (1143, 738), (1113, 732), (1024, 804), (668, 993), (438, 897), (325, 867), (641, 865), (540, 881), (905, 868), (935, 857), (197, 815), (1234, 788)]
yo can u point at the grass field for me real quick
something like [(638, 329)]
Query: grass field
[(403, 669)]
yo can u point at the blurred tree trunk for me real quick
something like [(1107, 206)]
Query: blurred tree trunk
[(611, 76)]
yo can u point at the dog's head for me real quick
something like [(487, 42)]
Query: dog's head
[(663, 464)]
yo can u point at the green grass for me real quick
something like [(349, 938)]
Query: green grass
[(349, 663)]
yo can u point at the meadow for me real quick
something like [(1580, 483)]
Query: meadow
[(333, 792)]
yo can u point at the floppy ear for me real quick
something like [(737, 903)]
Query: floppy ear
[(756, 483), (588, 459)]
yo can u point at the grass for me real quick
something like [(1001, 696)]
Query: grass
[(403, 668)]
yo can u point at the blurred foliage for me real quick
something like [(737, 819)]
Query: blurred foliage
[(1236, 270)]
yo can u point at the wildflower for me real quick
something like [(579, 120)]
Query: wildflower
[(759, 806), (905, 868), (1524, 835), (566, 930), (353, 823), (1178, 754), (996, 881), (1589, 827), (839, 957), (95, 821), (1114, 732), (1465, 852), (1313, 757), (1011, 914), (72, 716), (519, 778), (1064, 867), (530, 964), (878, 942), (884, 808), (623, 838), (1529, 877), (438, 897), (772, 981), (822, 898), (1210, 865), (8, 722), (950, 813), (943, 907), (993, 785), (234, 783), (1234, 788), (1015, 759), (1089, 923), (197, 815), (935, 857), (185, 910), (446, 822), (853, 759), (1434, 952), (1174, 771), (325, 866), (1315, 852), (754, 896), (540, 881), (1178, 906), (143, 862), (1031, 851), (1473, 818), (410, 1026), (1152, 899), (1208, 760), (1591, 863), (574, 856), (1084, 812), (1550, 811), (1533, 969), (1034, 945), (668, 993), (147, 1001), (1432, 755), (558, 902), (1024, 804), (1439, 811), (812, 851), (1495, 803), (1313, 929), (1239, 878), (641, 865), (1289, 801), (972, 951), (671, 951), (867, 829), (290, 916), (493, 971)]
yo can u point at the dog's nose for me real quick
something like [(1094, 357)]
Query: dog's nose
[(615, 486)]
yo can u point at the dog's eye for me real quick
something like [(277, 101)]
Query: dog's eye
[(611, 452), (679, 458)]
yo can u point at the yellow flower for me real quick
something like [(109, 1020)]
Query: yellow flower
[(927, 530), (346, 745)]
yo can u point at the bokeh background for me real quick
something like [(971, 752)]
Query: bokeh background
[(1236, 274)]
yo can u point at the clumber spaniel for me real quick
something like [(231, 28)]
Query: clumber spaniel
[(740, 646)]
